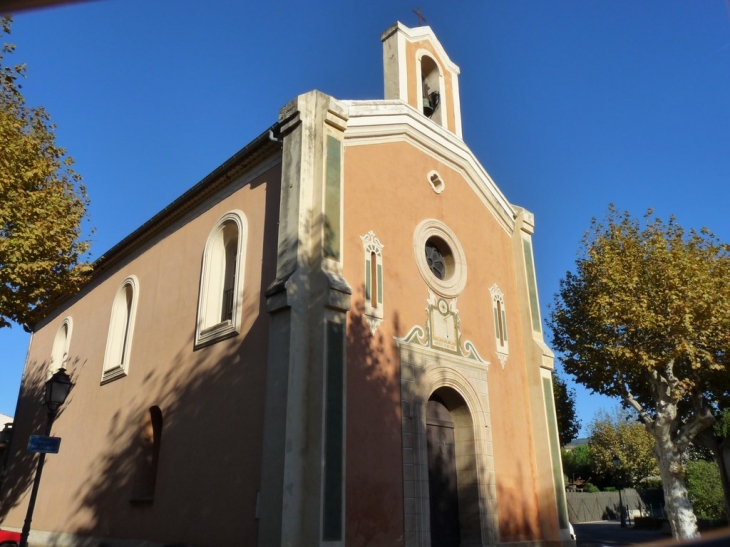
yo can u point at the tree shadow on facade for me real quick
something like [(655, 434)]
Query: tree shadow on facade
[(518, 520), (374, 482), (17, 477), (133, 492)]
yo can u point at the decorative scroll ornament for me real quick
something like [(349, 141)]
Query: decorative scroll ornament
[(443, 330)]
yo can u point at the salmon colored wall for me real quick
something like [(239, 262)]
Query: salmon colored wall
[(212, 399), (386, 190)]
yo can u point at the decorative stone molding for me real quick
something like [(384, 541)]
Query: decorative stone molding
[(121, 331), (500, 323), (373, 296), (436, 182), (221, 280), (443, 330), (454, 278), (423, 371)]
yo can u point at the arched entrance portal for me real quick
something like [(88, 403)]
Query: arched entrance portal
[(452, 472)]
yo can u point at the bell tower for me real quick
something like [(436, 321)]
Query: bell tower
[(419, 72)]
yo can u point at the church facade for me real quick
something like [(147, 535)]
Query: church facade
[(332, 339)]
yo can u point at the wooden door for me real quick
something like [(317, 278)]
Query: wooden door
[(442, 485)]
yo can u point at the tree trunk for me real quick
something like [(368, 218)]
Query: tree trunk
[(679, 509)]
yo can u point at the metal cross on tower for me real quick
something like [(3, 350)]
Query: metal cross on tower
[(421, 18)]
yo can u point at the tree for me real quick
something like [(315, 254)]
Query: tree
[(568, 422), (620, 435), (577, 464), (42, 205), (646, 317), (717, 441), (704, 489)]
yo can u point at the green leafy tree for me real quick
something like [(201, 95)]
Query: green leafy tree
[(717, 441), (42, 205), (704, 489), (620, 435), (568, 422), (646, 317), (577, 464)]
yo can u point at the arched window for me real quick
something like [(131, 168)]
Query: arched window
[(148, 456), (221, 280), (121, 329), (373, 305), (432, 89), (59, 353)]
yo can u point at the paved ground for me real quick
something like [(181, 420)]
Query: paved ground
[(610, 533)]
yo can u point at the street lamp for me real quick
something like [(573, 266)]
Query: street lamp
[(57, 389), (617, 465)]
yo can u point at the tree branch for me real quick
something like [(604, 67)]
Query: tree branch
[(647, 420)]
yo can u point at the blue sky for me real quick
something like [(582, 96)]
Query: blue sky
[(570, 105)]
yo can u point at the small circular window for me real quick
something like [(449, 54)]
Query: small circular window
[(439, 257)]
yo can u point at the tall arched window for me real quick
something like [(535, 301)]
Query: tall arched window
[(148, 456), (121, 329), (221, 280), (373, 304), (500, 323), (59, 353)]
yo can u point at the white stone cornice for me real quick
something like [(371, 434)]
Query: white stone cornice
[(380, 122), (417, 34)]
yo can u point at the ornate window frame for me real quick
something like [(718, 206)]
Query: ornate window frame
[(121, 331), (500, 323), (211, 326), (455, 279), (374, 274)]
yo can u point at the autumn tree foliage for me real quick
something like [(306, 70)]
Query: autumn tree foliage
[(618, 434), (645, 316), (568, 422), (42, 204)]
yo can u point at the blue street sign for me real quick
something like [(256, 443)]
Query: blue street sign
[(41, 443)]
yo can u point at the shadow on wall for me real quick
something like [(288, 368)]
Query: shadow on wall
[(517, 518), (31, 412), (374, 482), (210, 405)]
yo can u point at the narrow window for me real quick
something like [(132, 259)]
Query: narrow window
[(59, 353), (148, 456), (500, 323), (373, 280), (121, 331), (373, 301), (221, 280)]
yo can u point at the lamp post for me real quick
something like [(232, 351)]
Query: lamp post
[(617, 465), (57, 389)]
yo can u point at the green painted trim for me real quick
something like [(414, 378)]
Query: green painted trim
[(380, 283), (334, 433), (532, 286), (368, 296), (555, 453), (332, 226)]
